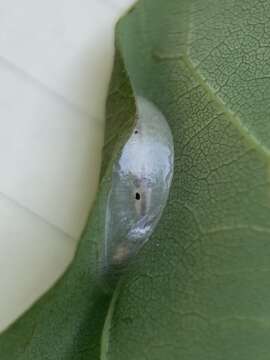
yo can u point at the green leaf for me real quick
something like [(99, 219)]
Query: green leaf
[(200, 287)]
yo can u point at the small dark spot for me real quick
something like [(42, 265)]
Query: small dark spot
[(130, 11), (136, 132), (138, 196)]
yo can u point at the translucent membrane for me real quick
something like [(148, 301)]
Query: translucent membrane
[(141, 181)]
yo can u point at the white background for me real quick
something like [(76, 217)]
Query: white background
[(55, 64)]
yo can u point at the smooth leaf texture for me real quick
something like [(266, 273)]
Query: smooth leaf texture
[(200, 288)]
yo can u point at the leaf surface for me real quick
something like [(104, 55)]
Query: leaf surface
[(200, 287)]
